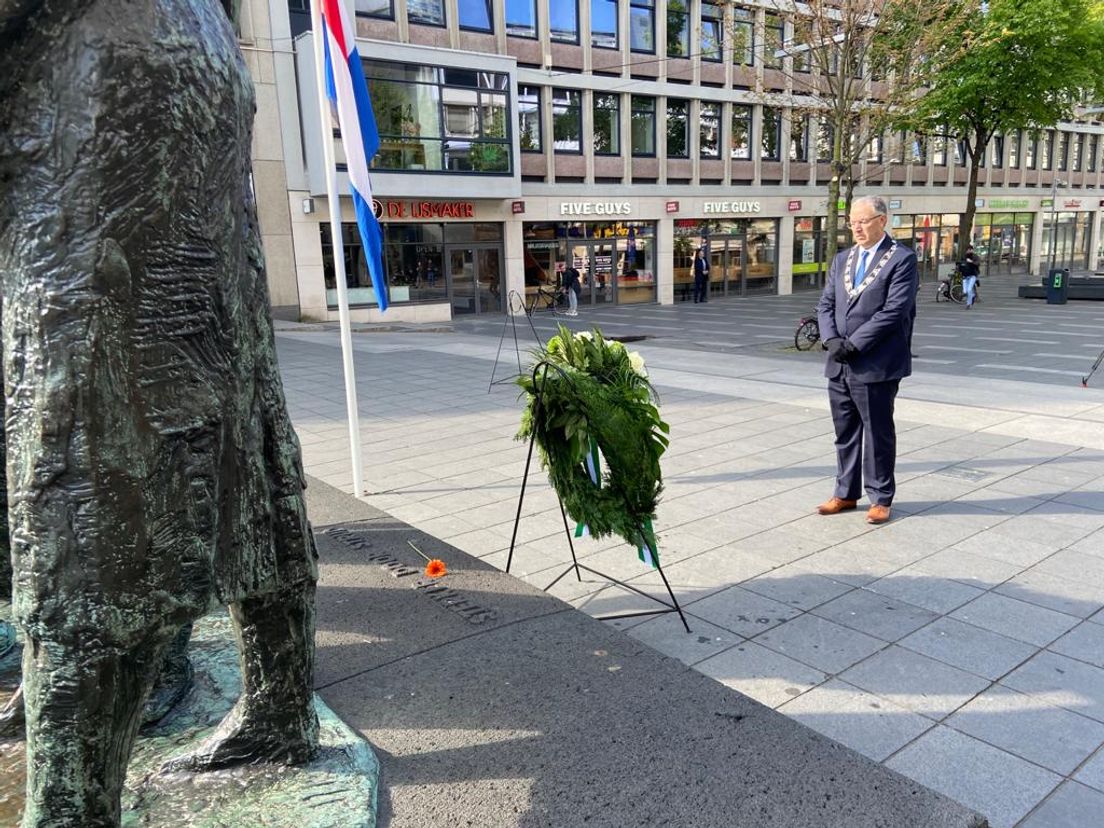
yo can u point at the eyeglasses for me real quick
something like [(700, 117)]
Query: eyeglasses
[(862, 222)]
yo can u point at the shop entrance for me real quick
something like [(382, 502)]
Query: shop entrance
[(741, 256), (594, 261), (474, 280)]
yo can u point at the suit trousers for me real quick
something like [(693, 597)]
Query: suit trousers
[(866, 438)]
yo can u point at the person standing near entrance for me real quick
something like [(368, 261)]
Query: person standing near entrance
[(866, 314), (701, 276), (570, 283)]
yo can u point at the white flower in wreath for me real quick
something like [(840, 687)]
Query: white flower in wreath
[(637, 363), (587, 335)]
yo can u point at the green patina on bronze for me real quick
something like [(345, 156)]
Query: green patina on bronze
[(152, 468), (337, 788)]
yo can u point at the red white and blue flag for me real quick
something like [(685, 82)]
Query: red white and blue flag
[(348, 91)]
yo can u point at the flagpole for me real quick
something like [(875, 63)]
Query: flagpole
[(318, 32)]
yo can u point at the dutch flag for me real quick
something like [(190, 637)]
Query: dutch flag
[(348, 90)]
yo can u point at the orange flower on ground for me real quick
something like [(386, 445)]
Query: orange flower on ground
[(436, 568)]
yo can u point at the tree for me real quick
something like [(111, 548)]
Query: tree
[(858, 66), (1025, 65)]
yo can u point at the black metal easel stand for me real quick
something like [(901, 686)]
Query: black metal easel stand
[(667, 606), (515, 306)]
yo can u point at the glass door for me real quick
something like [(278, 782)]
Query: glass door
[(475, 279), (601, 257), (735, 275), (461, 284), (579, 255)]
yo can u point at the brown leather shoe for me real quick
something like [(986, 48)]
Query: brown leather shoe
[(836, 505), (877, 514)]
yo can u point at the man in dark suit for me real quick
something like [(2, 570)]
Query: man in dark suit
[(866, 314), (701, 276)]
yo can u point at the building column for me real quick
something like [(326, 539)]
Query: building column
[(784, 254), (514, 252), (1036, 263), (665, 261)]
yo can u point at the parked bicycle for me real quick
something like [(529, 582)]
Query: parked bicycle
[(547, 298), (808, 332)]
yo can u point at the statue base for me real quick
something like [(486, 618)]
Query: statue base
[(337, 788)]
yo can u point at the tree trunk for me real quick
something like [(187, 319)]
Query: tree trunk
[(966, 221)]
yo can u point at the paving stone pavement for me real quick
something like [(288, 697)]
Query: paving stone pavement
[(962, 644)]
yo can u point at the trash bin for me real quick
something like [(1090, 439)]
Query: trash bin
[(1057, 286)]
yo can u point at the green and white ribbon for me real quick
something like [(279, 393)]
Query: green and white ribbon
[(648, 551), (581, 529)]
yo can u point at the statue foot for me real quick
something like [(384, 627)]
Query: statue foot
[(247, 739), (13, 719)]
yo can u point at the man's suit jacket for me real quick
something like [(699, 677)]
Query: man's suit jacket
[(878, 322)]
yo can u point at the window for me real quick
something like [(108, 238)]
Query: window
[(1077, 148), (709, 130), (743, 37), (643, 125), (996, 152), (641, 25), (521, 18), (567, 125), (368, 8), (1014, 150), (919, 153), (563, 20), (1031, 144), (429, 12), (607, 124), (741, 131), (825, 139), (769, 149), (529, 118), (712, 38), (1045, 146), (603, 24), (899, 147), (678, 133), (1061, 150), (799, 137), (939, 150), (1090, 160), (433, 118), (874, 149), (960, 153), (773, 30), (474, 15), (678, 28)]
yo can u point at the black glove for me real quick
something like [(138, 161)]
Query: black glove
[(840, 350)]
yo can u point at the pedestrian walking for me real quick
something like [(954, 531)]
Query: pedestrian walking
[(971, 271), (866, 314), (701, 276), (570, 284)]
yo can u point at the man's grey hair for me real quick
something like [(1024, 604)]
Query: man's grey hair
[(874, 202)]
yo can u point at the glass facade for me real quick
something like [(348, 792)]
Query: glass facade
[(810, 244), (439, 119), (743, 36), (678, 128), (616, 260), (741, 131), (607, 124), (678, 29), (521, 18), (459, 263), (567, 121), (1003, 242), (643, 125), (742, 255), (712, 36), (427, 12), (603, 24), (563, 20), (529, 118), (641, 26), (1065, 240)]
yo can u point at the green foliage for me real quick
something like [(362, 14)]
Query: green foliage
[(594, 389)]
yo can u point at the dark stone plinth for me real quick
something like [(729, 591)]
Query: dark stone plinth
[(337, 788), (542, 716)]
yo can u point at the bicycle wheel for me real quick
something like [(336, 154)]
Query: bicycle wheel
[(957, 294), (940, 294), (807, 335)]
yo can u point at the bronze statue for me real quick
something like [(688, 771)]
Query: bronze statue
[(152, 468)]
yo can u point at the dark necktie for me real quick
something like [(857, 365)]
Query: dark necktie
[(860, 271)]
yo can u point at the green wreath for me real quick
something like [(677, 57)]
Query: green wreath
[(596, 403)]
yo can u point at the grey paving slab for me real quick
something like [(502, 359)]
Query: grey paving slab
[(964, 567), (864, 722), (876, 615), (1092, 772), (666, 634), (742, 612), (1054, 738), (1085, 643), (1071, 806), (912, 680), (968, 647), (1001, 785), (940, 595), (1058, 680), (764, 675), (1073, 597), (820, 643), (1015, 619), (797, 587)]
